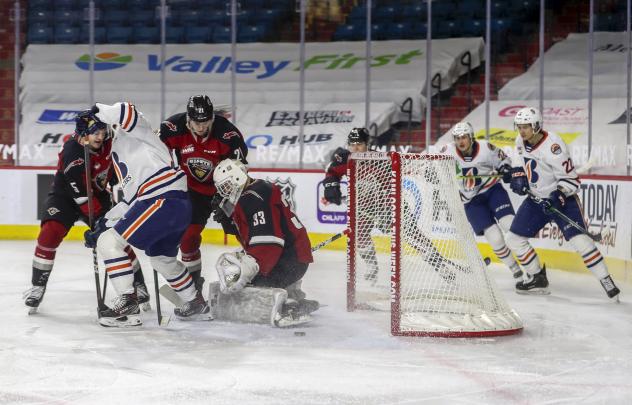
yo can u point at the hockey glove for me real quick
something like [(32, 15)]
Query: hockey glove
[(556, 200), (332, 190), (91, 236), (519, 183), (505, 171), (235, 270)]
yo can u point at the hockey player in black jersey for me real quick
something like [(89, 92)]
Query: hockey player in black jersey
[(67, 202)]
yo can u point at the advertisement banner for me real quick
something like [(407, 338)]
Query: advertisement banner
[(270, 131), (266, 73), (568, 118), (566, 70)]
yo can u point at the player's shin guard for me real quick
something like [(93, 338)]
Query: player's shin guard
[(497, 241), (176, 275), (527, 257), (118, 266), (594, 262)]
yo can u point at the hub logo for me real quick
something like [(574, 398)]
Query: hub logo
[(103, 61), (57, 117)]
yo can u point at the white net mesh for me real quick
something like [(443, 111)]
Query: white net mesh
[(441, 278)]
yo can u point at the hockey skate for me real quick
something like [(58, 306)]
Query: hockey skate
[(123, 313), (537, 284), (611, 289), (195, 310), (143, 296), (33, 297), (291, 314)]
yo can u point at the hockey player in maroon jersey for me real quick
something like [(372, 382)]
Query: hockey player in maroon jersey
[(275, 256), (67, 202), (200, 139)]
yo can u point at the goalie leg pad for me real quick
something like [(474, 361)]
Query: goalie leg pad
[(118, 266), (259, 305), (591, 255), (527, 257)]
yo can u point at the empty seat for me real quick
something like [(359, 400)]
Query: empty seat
[(146, 35), (144, 18), (113, 17), (119, 34), (174, 35), (222, 35), (399, 30), (68, 17), (66, 34), (99, 35), (252, 33), (197, 34), (39, 35)]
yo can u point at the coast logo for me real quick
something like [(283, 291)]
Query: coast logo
[(103, 61)]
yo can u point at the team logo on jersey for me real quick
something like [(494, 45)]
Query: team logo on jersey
[(188, 149), (170, 125), (556, 149), (231, 134), (287, 191), (52, 211), (200, 168)]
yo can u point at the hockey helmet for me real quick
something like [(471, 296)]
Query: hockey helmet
[(358, 135), (86, 124), (531, 116), (463, 129), (199, 108), (230, 177)]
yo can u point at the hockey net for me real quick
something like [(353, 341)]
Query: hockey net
[(412, 251)]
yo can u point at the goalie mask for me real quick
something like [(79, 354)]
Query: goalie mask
[(230, 177), (531, 116)]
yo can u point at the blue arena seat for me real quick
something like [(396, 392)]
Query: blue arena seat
[(198, 34), (144, 18), (115, 17), (146, 35), (189, 17), (63, 4), (66, 34), (399, 30), (99, 35), (68, 16), (349, 32), (40, 15), (117, 34), (251, 33), (39, 35), (222, 34), (174, 34)]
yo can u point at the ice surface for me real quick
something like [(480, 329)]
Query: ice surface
[(576, 348)]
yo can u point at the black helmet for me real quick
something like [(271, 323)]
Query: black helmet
[(199, 108), (358, 135), (86, 123)]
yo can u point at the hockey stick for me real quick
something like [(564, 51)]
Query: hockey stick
[(162, 320), (594, 236), (331, 239), (95, 261), (481, 176)]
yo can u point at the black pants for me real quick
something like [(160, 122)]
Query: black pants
[(285, 273)]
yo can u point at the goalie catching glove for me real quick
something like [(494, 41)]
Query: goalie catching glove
[(235, 270)]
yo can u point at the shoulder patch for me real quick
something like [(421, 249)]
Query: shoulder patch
[(491, 146), (170, 125), (556, 149), (444, 148), (230, 134)]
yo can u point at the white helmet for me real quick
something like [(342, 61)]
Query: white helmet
[(462, 129), (230, 177), (529, 115)]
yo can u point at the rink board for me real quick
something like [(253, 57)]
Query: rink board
[(603, 199)]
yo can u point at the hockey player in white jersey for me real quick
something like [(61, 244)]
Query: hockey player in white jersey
[(153, 216), (542, 167), (486, 202)]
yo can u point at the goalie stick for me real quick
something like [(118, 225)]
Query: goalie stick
[(162, 320)]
